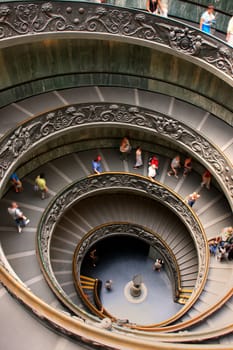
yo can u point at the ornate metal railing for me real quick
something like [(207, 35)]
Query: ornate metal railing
[(128, 229), (124, 182), (34, 132), (30, 18)]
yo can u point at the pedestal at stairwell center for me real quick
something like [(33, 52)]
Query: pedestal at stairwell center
[(135, 291)]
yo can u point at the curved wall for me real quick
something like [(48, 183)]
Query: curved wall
[(54, 64)]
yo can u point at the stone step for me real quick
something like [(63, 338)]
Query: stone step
[(59, 174)]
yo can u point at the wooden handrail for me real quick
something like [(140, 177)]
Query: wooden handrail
[(85, 283), (75, 327), (98, 302), (91, 279), (97, 309), (78, 328)]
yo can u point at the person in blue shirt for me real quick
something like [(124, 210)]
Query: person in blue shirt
[(96, 165), (207, 19), (17, 184)]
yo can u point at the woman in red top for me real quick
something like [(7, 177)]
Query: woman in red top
[(154, 161)]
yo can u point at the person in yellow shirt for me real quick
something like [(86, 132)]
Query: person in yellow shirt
[(40, 184)]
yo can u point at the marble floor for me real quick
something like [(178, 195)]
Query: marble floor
[(120, 262)]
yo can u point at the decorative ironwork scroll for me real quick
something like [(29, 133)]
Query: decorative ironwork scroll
[(125, 182), (28, 135), (27, 18)]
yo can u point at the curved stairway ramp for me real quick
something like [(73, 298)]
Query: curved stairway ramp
[(28, 193), (37, 207), (120, 208), (221, 316), (219, 285)]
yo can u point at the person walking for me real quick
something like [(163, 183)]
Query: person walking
[(229, 37), (20, 219), (138, 155), (108, 285), (93, 257), (187, 166), (192, 198), (164, 8), (206, 179), (96, 165), (125, 148), (16, 183), (40, 184), (158, 264), (154, 160), (175, 165), (154, 6), (152, 172), (207, 19)]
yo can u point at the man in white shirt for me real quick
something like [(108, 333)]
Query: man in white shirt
[(20, 219)]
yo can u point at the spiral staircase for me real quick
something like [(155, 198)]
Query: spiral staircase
[(37, 314)]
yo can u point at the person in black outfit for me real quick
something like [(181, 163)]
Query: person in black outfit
[(154, 6)]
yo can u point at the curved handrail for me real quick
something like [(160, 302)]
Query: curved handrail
[(90, 333), (127, 182), (104, 312), (97, 309), (98, 285), (86, 301), (58, 18)]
